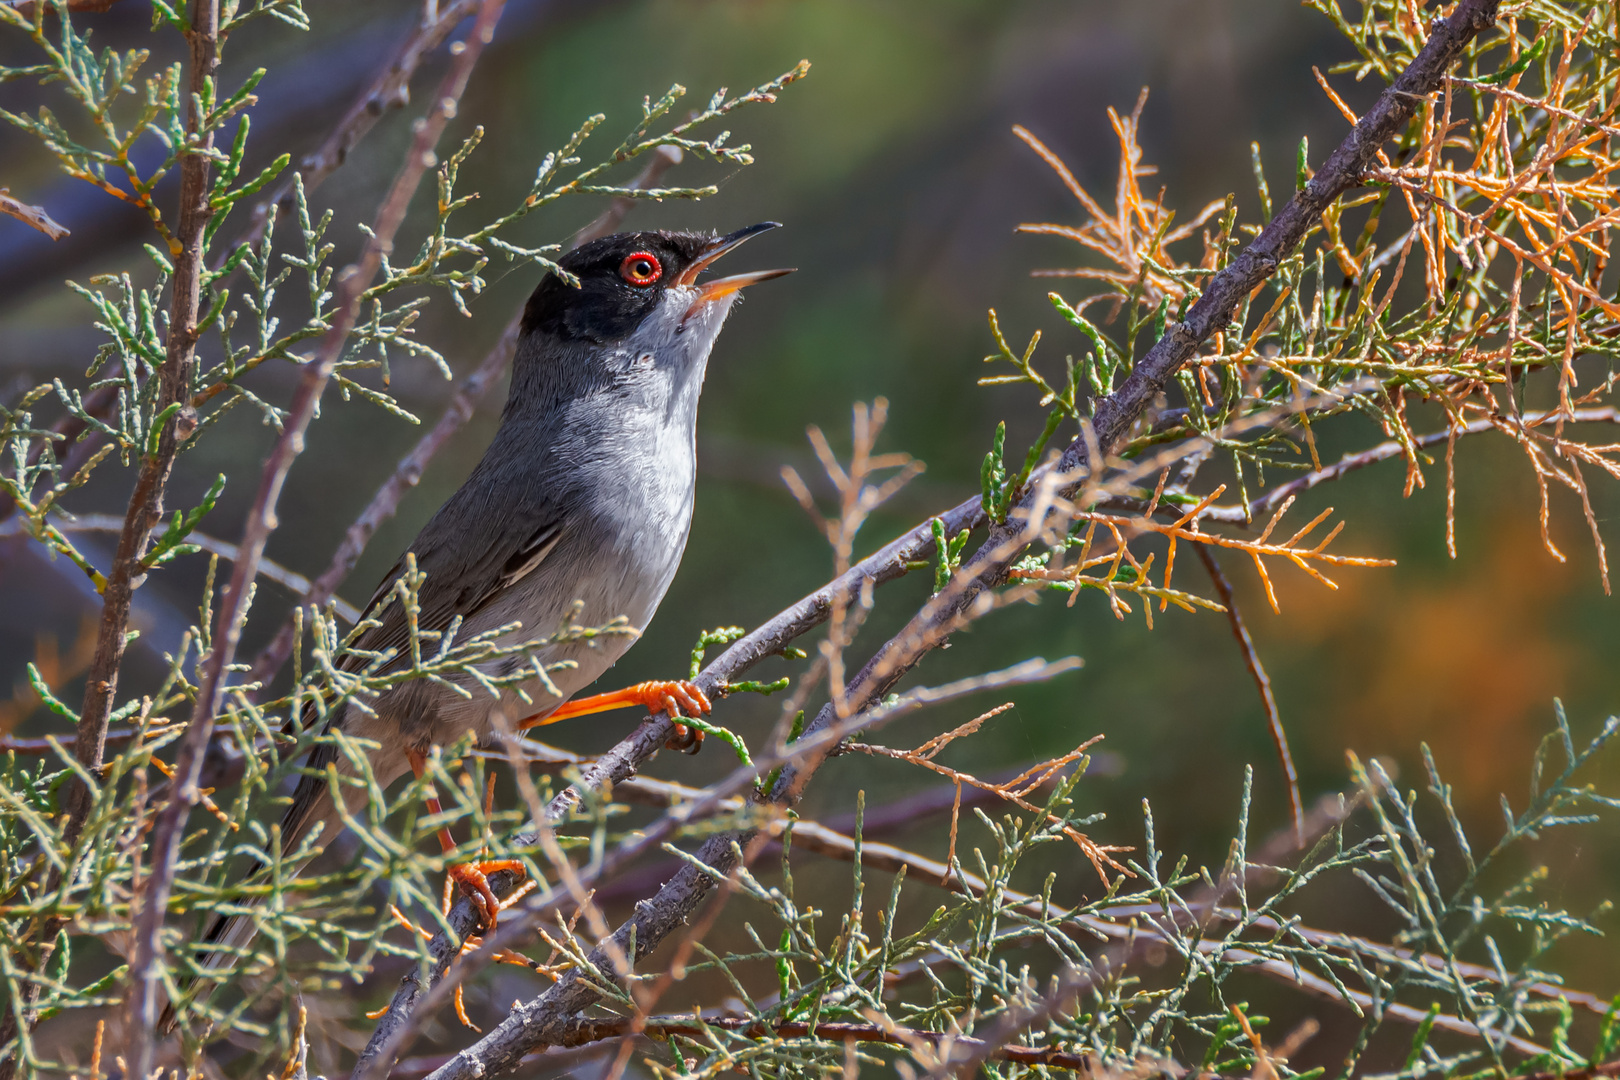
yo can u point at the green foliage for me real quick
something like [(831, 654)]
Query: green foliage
[(947, 552), (1185, 945)]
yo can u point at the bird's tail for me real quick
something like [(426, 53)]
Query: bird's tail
[(230, 933)]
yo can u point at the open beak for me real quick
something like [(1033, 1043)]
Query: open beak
[(711, 291)]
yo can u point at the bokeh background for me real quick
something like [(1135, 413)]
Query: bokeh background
[(895, 171)]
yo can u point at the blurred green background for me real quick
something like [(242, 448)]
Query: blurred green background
[(894, 169)]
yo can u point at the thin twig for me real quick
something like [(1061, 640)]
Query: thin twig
[(28, 214), (1262, 682), (146, 969), (68, 429), (593, 1030), (226, 550), (1280, 494)]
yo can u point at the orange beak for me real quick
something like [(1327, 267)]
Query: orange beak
[(711, 291)]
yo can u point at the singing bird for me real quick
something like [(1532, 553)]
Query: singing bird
[(578, 512)]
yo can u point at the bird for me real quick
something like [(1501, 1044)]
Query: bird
[(578, 512)]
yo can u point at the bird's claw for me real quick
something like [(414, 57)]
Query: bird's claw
[(473, 880), (679, 698), (688, 740)]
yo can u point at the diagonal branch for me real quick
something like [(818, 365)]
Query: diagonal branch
[(390, 88), (1116, 413), (146, 969), (626, 758)]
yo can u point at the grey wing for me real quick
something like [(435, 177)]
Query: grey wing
[(465, 569)]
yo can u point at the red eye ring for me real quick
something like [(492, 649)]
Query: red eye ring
[(641, 268)]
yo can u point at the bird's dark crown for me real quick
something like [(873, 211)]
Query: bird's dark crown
[(607, 306)]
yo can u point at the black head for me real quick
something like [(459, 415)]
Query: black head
[(622, 280)]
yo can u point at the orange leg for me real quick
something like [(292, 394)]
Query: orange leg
[(678, 698), (473, 877)]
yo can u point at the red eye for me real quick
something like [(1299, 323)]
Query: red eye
[(641, 268)]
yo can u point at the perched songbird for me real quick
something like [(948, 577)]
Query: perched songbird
[(584, 498)]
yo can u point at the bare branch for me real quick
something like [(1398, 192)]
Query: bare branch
[(1262, 682), (32, 216)]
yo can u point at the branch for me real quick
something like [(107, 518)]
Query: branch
[(623, 760), (1126, 924), (291, 579), (829, 837), (99, 403), (1262, 682), (662, 1027), (412, 1007), (1386, 450), (146, 968), (32, 216), (586, 1032), (146, 500), (390, 88), (25, 8), (408, 473), (1115, 414)]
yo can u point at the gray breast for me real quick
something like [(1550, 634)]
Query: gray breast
[(621, 460)]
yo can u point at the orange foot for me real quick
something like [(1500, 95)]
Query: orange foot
[(473, 879), (678, 698)]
